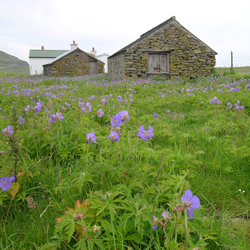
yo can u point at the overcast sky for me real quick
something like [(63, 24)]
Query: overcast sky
[(224, 25)]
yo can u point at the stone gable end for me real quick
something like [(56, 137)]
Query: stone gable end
[(185, 54), (76, 63)]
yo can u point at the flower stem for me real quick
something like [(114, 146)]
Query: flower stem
[(164, 230), (159, 175), (186, 230)]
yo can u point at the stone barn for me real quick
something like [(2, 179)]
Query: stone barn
[(169, 50), (75, 62)]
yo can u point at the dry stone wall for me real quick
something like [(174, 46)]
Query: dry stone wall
[(116, 67), (73, 64), (188, 56)]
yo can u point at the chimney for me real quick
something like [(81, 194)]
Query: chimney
[(93, 52), (73, 46), (42, 47)]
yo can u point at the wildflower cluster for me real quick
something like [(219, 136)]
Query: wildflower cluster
[(238, 106), (6, 182), (189, 202), (7, 131), (57, 117), (215, 100)]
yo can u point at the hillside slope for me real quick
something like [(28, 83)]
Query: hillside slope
[(11, 64)]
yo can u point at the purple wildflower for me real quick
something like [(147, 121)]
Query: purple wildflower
[(104, 101), (6, 182), (229, 105), (190, 202), (38, 107), (99, 113), (59, 116), (89, 106), (116, 121), (124, 115), (67, 104), (52, 118), (155, 115), (155, 222), (145, 134), (80, 104), (114, 136), (90, 137), (239, 107), (166, 215), (7, 131), (2, 152), (27, 108), (168, 111), (84, 110), (21, 120)]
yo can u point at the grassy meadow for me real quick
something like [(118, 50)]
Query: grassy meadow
[(240, 70), (93, 163)]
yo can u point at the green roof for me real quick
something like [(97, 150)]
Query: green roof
[(35, 53)]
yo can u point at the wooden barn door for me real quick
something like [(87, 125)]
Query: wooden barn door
[(158, 63), (92, 68)]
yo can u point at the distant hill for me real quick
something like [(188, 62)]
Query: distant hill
[(11, 64)]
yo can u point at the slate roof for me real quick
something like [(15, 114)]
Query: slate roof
[(35, 53), (146, 34), (68, 52)]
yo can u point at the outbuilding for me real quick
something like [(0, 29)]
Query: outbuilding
[(169, 50), (75, 62)]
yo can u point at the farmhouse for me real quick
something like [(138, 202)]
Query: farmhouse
[(168, 50), (39, 57), (75, 62)]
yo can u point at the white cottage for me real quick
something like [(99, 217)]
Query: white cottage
[(37, 58), (104, 58)]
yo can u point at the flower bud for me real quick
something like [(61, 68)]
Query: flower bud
[(78, 216), (96, 229), (180, 208)]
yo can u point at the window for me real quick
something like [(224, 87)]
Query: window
[(158, 63)]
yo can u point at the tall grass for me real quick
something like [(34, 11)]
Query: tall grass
[(200, 145)]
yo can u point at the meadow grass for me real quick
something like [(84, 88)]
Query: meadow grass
[(242, 70), (200, 143)]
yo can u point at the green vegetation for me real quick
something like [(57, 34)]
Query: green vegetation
[(12, 65), (71, 194), (242, 70)]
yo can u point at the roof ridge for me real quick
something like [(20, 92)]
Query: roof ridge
[(68, 52), (144, 35)]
